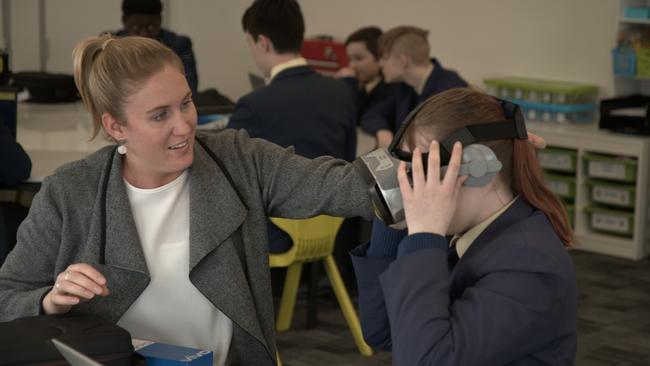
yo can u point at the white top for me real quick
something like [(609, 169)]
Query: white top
[(171, 310)]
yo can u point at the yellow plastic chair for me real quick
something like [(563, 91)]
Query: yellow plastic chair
[(313, 240)]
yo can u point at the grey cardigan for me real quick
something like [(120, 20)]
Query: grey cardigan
[(228, 241)]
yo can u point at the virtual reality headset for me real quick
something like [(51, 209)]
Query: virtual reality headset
[(379, 167)]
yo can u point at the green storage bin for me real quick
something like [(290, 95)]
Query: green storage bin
[(563, 186), (621, 195), (544, 91), (557, 159), (610, 167), (643, 62), (611, 221)]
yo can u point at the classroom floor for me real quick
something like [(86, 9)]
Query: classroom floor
[(613, 320)]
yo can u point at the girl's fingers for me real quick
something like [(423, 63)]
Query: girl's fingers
[(417, 170), (433, 170), (404, 184), (451, 176)]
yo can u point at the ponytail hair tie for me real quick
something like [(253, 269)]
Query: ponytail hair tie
[(106, 42)]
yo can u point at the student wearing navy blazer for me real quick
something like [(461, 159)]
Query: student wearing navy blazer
[(502, 291), (363, 74), (304, 109), (300, 108), (404, 58)]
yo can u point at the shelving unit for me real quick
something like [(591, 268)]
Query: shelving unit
[(589, 140), (625, 85), (634, 21)]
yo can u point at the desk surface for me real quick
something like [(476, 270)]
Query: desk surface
[(55, 134)]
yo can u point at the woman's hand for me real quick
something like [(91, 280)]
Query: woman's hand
[(430, 204), (78, 283), (537, 141)]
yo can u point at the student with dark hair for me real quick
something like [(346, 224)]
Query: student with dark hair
[(16, 167), (363, 73), (299, 107), (143, 18), (404, 58), (502, 291)]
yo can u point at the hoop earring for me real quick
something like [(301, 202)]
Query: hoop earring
[(121, 149)]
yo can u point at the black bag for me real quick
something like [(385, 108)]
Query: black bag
[(45, 87), (210, 101), (26, 341), (610, 119)]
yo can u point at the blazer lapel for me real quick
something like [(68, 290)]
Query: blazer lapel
[(215, 208), (124, 265), (217, 252), (123, 247)]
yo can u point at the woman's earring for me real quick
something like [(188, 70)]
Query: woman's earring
[(121, 149)]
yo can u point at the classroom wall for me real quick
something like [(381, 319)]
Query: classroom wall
[(557, 39)]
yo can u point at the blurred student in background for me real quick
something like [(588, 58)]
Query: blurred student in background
[(143, 18), (298, 107), (363, 73), (404, 58)]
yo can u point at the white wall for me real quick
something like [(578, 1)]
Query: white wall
[(69, 21), (24, 35), (558, 39)]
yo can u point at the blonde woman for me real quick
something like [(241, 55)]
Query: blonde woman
[(165, 233)]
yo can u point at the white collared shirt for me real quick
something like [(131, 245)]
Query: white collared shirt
[(275, 70), (464, 241), (371, 84)]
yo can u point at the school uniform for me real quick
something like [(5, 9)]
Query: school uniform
[(506, 296), (368, 95), (300, 108), (389, 114)]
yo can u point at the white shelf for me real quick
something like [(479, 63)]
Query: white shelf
[(589, 139), (637, 78), (634, 21)]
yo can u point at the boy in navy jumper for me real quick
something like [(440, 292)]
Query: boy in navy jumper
[(502, 291), (404, 58)]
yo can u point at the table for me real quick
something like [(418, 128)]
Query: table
[(55, 134)]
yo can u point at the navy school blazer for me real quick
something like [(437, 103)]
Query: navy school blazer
[(304, 109), (510, 300), (389, 113)]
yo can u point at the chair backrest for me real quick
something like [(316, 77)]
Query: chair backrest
[(312, 238)]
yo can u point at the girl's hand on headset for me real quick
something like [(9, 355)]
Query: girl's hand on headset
[(430, 203), (78, 283)]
